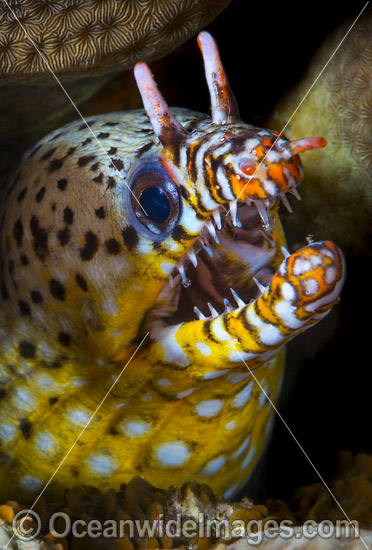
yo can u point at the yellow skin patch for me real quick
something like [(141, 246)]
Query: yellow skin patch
[(88, 242)]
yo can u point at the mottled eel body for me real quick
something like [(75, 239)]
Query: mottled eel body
[(97, 249)]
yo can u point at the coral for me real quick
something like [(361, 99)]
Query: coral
[(90, 37), (337, 190)]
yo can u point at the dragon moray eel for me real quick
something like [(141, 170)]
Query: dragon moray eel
[(171, 228)]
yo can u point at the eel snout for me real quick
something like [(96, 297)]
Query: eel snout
[(302, 291)]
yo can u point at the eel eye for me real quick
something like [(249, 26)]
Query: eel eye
[(152, 197)]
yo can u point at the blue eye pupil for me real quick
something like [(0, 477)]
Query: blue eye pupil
[(155, 204)]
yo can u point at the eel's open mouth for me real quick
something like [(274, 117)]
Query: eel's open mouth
[(230, 264)]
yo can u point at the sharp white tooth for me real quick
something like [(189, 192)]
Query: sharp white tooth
[(208, 250), (237, 299), (268, 237), (217, 218), (199, 314), (192, 257), (234, 215), (263, 213), (228, 306), (261, 287), (285, 202), (213, 311), (295, 193), (212, 231), (170, 279), (285, 252), (185, 281)]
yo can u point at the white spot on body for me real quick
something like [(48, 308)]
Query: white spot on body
[(287, 314), (301, 266), (288, 292), (164, 382), (243, 447), (166, 267), (23, 400), (230, 425), (208, 409), (241, 356), (330, 275), (269, 334), (173, 352), (102, 463), (219, 331), (231, 492), (215, 374), (31, 483), (173, 454), (185, 393), (237, 377), (243, 397), (79, 417), (203, 348), (311, 286), (135, 428), (45, 442), (248, 458), (214, 466), (7, 431)]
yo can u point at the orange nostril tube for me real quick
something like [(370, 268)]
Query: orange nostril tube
[(301, 145)]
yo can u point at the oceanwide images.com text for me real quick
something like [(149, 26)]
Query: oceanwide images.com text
[(27, 526)]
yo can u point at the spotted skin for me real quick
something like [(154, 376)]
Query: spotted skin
[(86, 274)]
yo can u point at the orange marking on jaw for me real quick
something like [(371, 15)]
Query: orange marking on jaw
[(294, 171), (266, 142), (276, 173), (251, 190)]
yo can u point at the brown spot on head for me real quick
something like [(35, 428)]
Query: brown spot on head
[(68, 215), (24, 259), (24, 308), (22, 195), (48, 154), (100, 213), (53, 400), (113, 150), (40, 238), (2, 393), (64, 338), (55, 164), (4, 292), (130, 237), (118, 163), (64, 236), (90, 248), (40, 194), (83, 161), (81, 282), (18, 232), (111, 182), (103, 135), (61, 184), (57, 289), (112, 246), (99, 178), (27, 350), (36, 297)]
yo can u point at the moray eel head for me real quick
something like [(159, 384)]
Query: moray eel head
[(160, 224)]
